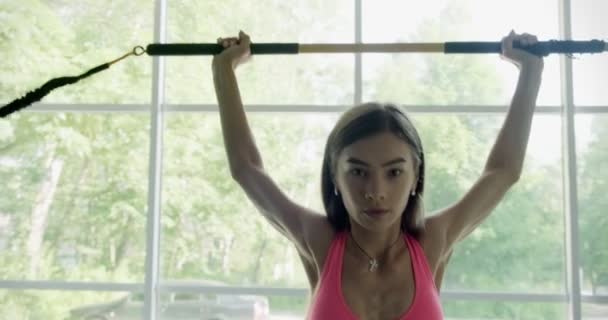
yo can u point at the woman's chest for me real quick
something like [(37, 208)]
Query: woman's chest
[(385, 295)]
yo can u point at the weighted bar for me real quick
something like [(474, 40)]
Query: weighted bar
[(541, 48)]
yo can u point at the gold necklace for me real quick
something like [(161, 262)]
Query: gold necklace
[(373, 262)]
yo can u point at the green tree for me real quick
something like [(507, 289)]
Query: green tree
[(76, 185), (593, 218)]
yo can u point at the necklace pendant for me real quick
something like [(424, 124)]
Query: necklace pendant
[(373, 265)]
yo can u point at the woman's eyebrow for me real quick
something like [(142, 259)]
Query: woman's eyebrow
[(363, 163)]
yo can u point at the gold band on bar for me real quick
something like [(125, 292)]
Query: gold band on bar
[(370, 47)]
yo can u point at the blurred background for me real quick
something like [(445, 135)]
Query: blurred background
[(129, 165)]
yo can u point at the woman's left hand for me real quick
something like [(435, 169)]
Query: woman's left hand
[(520, 58)]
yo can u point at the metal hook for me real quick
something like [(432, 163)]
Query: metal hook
[(137, 51)]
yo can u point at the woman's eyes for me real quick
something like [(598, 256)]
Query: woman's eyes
[(357, 172), (360, 172), (396, 172)]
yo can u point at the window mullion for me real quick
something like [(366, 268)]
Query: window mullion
[(571, 241), (155, 171)]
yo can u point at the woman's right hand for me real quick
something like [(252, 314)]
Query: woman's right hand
[(236, 50)]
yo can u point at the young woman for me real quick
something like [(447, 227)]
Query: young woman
[(374, 254)]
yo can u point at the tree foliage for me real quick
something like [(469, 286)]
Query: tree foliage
[(88, 223)]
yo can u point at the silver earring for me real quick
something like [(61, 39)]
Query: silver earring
[(335, 191), (414, 192)]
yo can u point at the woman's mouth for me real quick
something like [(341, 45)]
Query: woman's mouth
[(375, 212)]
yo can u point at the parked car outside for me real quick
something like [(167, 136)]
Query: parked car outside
[(180, 306)]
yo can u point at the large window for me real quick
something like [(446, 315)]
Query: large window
[(98, 171), (586, 23)]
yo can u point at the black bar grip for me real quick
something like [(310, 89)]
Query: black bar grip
[(541, 48), (187, 49)]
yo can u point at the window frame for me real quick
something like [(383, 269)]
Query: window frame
[(153, 286)]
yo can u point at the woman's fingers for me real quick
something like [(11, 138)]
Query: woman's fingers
[(524, 39), (243, 38), (519, 57), (227, 42), (235, 49), (531, 39), (231, 41), (528, 40)]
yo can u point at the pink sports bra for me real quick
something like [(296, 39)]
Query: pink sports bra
[(329, 303)]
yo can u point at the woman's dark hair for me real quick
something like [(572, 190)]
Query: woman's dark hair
[(358, 123)]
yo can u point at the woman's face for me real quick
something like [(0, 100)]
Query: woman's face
[(376, 173)]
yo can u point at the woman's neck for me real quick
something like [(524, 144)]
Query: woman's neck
[(380, 245)]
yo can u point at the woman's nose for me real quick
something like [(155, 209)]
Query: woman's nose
[(375, 189), (371, 197)]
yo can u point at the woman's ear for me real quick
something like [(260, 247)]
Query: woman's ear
[(414, 185)]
